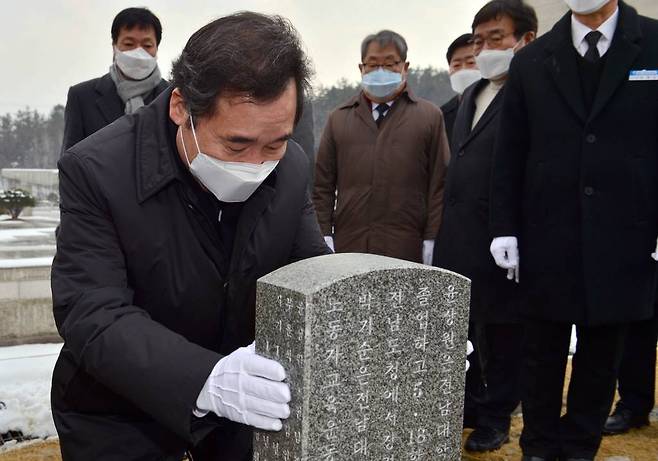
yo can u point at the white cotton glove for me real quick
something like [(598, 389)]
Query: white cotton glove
[(246, 388), (330, 242), (505, 252), (428, 251), (654, 255), (469, 351)]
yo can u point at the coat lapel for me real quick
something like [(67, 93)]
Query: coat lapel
[(488, 116), (364, 112), (108, 103), (563, 67), (620, 57), (465, 118), (249, 217)]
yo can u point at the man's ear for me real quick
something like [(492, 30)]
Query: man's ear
[(177, 110), (529, 36), (406, 66)]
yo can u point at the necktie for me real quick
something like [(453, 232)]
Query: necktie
[(381, 108), (592, 40)]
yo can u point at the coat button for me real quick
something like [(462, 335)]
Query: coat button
[(589, 191), (460, 154), (452, 200), (590, 138)]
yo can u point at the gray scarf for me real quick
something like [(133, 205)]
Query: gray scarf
[(133, 92)]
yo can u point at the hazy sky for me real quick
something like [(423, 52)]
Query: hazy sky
[(49, 45)]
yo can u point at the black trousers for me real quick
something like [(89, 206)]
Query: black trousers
[(637, 373), (474, 388), (595, 365), (499, 347)]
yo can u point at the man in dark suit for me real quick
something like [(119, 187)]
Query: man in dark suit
[(463, 73), (500, 28), (637, 379), (575, 195), (132, 82)]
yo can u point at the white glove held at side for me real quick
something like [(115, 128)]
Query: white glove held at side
[(654, 255), (330, 242), (505, 252), (428, 251), (246, 388), (469, 351)]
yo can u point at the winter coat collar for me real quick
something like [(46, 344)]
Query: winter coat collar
[(360, 98), (563, 67)]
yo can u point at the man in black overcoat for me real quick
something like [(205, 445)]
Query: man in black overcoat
[(575, 199), (499, 28), (168, 218), (463, 73), (132, 82)]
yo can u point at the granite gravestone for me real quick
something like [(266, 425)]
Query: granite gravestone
[(374, 349)]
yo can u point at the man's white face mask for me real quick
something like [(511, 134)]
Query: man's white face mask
[(136, 63), (494, 64), (464, 78), (228, 181), (585, 6)]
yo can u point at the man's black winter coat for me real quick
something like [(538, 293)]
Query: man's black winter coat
[(144, 295)]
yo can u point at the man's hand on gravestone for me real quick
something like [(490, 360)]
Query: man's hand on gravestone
[(428, 251), (505, 252), (246, 388), (330, 242), (469, 351)]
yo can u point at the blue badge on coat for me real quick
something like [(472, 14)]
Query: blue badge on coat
[(640, 75)]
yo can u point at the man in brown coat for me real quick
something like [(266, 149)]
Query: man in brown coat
[(381, 163)]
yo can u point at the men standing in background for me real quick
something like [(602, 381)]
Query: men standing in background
[(500, 29), (133, 80), (463, 73), (380, 166), (575, 199)]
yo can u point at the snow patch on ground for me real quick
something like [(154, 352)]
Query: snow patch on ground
[(25, 374), (26, 262), (8, 235)]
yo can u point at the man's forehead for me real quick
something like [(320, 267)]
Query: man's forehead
[(137, 31), (462, 52), (375, 50), (500, 23)]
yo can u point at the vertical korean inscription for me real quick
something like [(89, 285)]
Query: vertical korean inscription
[(419, 439), (280, 333), (328, 331), (444, 448), (365, 364)]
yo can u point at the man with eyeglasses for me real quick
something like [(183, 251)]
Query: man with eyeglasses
[(381, 162), (575, 197), (500, 28)]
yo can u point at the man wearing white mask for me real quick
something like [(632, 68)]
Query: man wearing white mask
[(575, 207), (463, 73), (133, 80), (169, 216), (500, 28), (381, 162)]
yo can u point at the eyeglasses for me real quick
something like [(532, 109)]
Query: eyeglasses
[(388, 65), (494, 40)]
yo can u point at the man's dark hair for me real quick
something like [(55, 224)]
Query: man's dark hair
[(522, 14), (244, 53), (460, 42), (385, 38), (136, 17)]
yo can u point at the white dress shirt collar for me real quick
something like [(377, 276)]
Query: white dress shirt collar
[(375, 114), (607, 29)]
